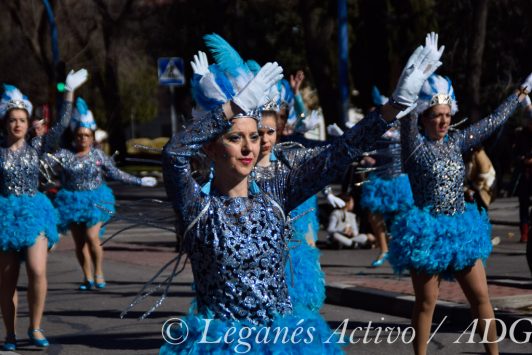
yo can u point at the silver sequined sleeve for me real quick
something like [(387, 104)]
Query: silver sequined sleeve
[(410, 137), (112, 172), (323, 169), (50, 141), (476, 133), (181, 187)]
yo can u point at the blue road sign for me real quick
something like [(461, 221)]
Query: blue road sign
[(171, 71)]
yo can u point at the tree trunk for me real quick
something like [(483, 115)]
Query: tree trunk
[(474, 62)]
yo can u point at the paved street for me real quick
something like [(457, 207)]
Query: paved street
[(89, 322)]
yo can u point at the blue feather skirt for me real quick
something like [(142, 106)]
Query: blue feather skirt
[(89, 207), (23, 218), (306, 281), (305, 218), (315, 338), (386, 196), (439, 244)]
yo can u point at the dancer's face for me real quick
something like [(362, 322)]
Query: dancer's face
[(235, 153), (17, 123), (84, 138), (436, 121), (268, 133), (281, 121)]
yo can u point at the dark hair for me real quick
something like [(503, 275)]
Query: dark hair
[(346, 197)]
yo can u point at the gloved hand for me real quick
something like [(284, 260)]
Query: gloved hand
[(527, 85), (148, 181), (334, 130), (200, 64), (431, 41), (334, 201), (255, 92), (421, 64), (310, 122), (75, 79), (207, 82)]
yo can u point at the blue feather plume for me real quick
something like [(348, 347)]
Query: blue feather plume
[(226, 56)]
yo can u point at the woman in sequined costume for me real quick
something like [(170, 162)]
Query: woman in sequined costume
[(27, 218), (84, 201), (387, 190), (306, 281), (236, 235), (442, 235)]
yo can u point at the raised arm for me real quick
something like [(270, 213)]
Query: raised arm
[(477, 132), (50, 141), (410, 137), (181, 188), (321, 170)]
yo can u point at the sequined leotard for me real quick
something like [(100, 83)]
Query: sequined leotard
[(442, 233), (84, 196), (387, 190), (24, 211), (305, 280), (237, 246)]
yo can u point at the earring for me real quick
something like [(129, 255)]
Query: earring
[(272, 156), (253, 186), (206, 189)]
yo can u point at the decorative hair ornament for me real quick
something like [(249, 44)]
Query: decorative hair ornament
[(82, 116), (437, 90), (12, 98)]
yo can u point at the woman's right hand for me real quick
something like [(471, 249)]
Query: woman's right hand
[(254, 94)]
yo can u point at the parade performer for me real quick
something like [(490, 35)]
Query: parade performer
[(441, 235), (387, 190), (28, 219), (235, 233), (84, 201)]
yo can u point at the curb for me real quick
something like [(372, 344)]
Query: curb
[(401, 305)]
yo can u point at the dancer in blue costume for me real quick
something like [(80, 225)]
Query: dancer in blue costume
[(387, 190), (84, 201), (236, 234), (306, 281), (442, 235), (27, 218)]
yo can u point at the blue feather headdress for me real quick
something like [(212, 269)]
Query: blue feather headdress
[(230, 74), (12, 98), (82, 116), (436, 90)]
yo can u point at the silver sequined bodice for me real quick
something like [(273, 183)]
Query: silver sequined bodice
[(238, 246), (19, 169), (436, 168), (87, 172), (388, 154)]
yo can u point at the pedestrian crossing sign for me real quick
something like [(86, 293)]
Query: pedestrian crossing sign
[(171, 71)]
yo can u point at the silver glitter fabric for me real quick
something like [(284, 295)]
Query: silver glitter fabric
[(436, 168), (272, 178), (238, 246), (388, 154), (87, 172), (19, 169)]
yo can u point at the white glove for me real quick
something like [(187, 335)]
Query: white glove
[(334, 201), (334, 130), (75, 79), (312, 121), (431, 41), (255, 92), (148, 181), (200, 64), (421, 64), (527, 85)]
